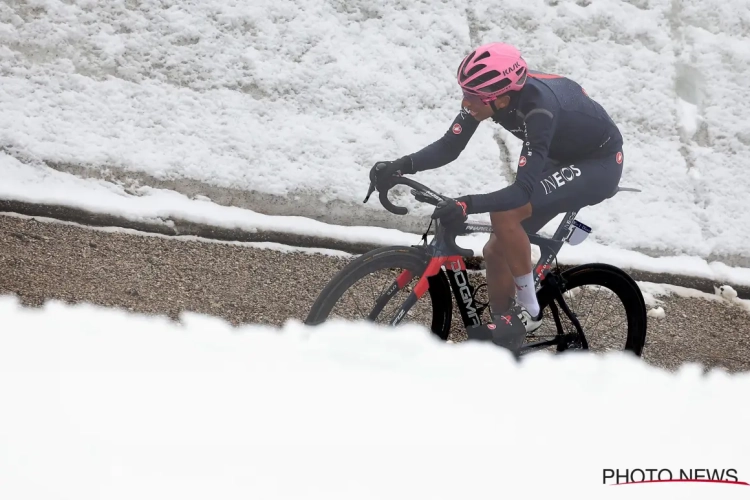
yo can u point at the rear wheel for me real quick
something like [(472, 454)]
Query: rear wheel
[(354, 292), (606, 301)]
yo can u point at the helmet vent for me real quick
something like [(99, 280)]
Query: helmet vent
[(462, 67), (476, 82), (484, 55), (497, 86), (476, 69)]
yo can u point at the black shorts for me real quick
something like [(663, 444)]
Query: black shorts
[(573, 185)]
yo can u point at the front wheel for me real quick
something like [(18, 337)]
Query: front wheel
[(374, 285), (606, 302)]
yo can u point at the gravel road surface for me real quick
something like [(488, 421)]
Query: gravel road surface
[(42, 260)]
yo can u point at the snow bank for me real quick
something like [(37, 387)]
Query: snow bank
[(104, 404), (290, 102)]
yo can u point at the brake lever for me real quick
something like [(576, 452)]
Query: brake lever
[(425, 198), (385, 201), (448, 245), (369, 191)]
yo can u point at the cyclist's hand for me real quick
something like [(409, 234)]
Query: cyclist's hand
[(452, 212), (383, 172)]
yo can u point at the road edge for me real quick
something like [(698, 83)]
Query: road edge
[(179, 227)]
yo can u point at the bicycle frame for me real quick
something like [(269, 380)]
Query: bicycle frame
[(446, 254), (458, 277)]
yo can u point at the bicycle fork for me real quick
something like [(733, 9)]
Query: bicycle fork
[(433, 267)]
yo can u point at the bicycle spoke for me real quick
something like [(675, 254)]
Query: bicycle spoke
[(602, 333), (375, 298), (600, 313), (386, 284), (588, 314), (356, 304)]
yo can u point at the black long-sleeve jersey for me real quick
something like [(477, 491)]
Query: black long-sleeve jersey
[(555, 119)]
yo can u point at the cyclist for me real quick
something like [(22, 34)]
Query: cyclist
[(571, 157)]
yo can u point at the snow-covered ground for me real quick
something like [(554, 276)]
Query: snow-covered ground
[(297, 99), (106, 404)]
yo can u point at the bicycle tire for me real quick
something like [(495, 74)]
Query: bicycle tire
[(617, 281), (411, 258)]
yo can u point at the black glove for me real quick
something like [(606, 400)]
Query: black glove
[(453, 212), (382, 173)]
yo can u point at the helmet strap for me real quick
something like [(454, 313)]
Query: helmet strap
[(492, 105)]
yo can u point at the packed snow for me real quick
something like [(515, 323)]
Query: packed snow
[(107, 404), (298, 98), (657, 313)]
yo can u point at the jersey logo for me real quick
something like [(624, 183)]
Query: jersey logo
[(618, 157), (457, 128), (522, 162), (558, 179)]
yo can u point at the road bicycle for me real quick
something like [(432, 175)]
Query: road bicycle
[(432, 274)]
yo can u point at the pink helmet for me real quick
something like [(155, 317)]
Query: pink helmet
[(492, 70)]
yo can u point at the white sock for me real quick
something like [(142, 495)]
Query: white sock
[(526, 294)]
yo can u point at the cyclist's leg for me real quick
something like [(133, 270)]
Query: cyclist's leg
[(507, 254), (564, 187)]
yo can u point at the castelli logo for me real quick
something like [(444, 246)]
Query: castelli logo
[(457, 128), (619, 158), (522, 161)]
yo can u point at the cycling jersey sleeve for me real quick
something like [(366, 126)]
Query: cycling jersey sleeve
[(449, 147), (539, 125)]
